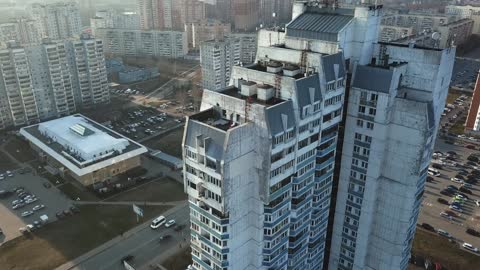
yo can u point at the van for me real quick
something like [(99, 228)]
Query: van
[(156, 223)]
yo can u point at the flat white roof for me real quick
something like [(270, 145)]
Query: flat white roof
[(65, 144), (81, 138)]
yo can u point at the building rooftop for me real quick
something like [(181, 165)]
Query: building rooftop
[(79, 142), (321, 26)]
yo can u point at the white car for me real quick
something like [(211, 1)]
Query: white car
[(27, 213), (477, 202), (170, 223), (457, 180), (156, 223), (38, 207), (470, 247), (461, 197)]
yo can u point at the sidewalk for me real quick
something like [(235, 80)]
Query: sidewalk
[(73, 263)]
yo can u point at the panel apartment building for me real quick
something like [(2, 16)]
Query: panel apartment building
[(129, 42), (393, 114), (57, 20), (50, 80), (217, 58), (259, 157)]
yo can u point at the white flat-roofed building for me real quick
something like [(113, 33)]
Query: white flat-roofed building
[(82, 148)]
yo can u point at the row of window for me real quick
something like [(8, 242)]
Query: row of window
[(361, 123), (278, 227), (361, 150), (333, 100), (359, 163), (282, 168), (284, 137), (305, 169), (364, 138), (305, 156)]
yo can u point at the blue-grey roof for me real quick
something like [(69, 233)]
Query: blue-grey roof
[(318, 26), (372, 78), (277, 114), (214, 148), (306, 88), (328, 64)]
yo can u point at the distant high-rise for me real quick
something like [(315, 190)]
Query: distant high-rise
[(169, 14), (200, 31), (22, 30), (114, 19), (218, 57), (143, 42), (473, 120), (50, 80), (245, 14), (57, 20)]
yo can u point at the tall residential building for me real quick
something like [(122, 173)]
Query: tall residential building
[(470, 12), (50, 80), (200, 31), (473, 119), (114, 19), (22, 30), (245, 14), (259, 157), (57, 20), (169, 14), (217, 57), (275, 12), (143, 42), (17, 99), (393, 113)]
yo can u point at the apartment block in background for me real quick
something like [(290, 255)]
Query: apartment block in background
[(143, 42), (200, 31), (217, 57), (57, 20), (473, 120), (467, 12), (393, 114), (114, 19), (169, 14), (22, 30), (51, 80)]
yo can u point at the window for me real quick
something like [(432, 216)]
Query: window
[(358, 136), (370, 125), (359, 123), (356, 149), (361, 109), (368, 139), (373, 97), (372, 111)]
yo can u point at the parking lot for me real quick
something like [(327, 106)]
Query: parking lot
[(455, 222), (465, 72), (41, 192), (141, 123)]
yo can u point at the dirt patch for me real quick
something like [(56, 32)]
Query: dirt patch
[(179, 261), (170, 143), (6, 164), (20, 150), (74, 192), (439, 249), (67, 239), (163, 190)]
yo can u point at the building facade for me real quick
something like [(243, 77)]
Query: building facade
[(217, 57), (114, 19), (169, 14), (393, 114), (57, 20), (473, 118), (200, 31), (141, 42), (22, 30), (259, 157), (51, 80), (467, 12)]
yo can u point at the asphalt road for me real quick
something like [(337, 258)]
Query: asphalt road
[(144, 245)]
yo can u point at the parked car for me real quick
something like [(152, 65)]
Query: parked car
[(446, 215), (452, 187), (465, 190), (470, 247), (156, 223), (18, 206), (473, 232), (27, 213), (444, 233), (428, 227), (456, 180), (456, 208), (38, 207), (447, 192), (442, 201)]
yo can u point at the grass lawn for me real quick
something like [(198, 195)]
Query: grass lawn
[(163, 190), (439, 249), (67, 239), (73, 192), (20, 150), (452, 97), (170, 143), (6, 164), (457, 128)]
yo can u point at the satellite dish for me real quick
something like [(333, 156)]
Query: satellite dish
[(435, 36)]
